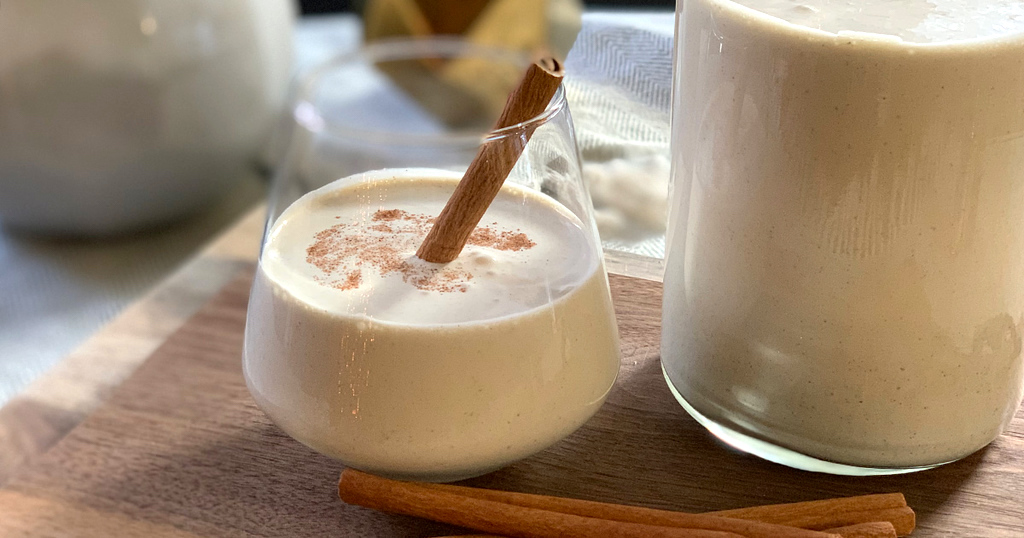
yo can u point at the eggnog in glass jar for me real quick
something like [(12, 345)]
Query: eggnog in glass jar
[(845, 278)]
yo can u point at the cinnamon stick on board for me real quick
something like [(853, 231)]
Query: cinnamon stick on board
[(415, 499), (877, 529), (874, 529), (831, 513), (821, 515), (492, 164)]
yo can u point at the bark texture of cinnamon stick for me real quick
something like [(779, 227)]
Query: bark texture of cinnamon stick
[(874, 529), (831, 513), (494, 160), (816, 515), (506, 519)]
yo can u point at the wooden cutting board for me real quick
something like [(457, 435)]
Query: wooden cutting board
[(181, 450)]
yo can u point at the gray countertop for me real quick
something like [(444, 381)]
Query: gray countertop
[(55, 293)]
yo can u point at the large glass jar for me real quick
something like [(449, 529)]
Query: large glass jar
[(845, 277)]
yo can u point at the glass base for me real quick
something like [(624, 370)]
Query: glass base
[(780, 455)]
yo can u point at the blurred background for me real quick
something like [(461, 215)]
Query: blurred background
[(135, 132), (311, 7)]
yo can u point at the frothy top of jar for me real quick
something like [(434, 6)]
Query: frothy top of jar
[(915, 21)]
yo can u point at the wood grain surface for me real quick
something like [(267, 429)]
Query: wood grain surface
[(180, 450), (56, 402)]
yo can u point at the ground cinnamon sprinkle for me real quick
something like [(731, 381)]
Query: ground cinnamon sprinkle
[(353, 280), (389, 214), (487, 237), (344, 250)]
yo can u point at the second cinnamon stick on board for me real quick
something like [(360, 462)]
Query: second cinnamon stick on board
[(438, 504)]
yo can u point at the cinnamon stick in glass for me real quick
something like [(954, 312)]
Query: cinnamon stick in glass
[(492, 164)]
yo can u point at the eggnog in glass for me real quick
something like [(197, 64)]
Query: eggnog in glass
[(364, 352)]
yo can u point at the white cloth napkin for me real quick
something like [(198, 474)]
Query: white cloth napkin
[(619, 87)]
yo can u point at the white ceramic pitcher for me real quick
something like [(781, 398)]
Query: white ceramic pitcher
[(116, 114)]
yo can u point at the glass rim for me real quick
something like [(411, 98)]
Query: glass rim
[(307, 114)]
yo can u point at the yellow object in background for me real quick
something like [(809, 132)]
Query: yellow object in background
[(531, 27), (524, 25)]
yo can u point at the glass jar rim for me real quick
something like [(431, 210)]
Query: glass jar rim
[(308, 115)]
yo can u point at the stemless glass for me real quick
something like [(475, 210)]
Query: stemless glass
[(396, 366)]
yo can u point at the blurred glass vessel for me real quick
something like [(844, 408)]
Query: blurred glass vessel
[(364, 352), (116, 114)]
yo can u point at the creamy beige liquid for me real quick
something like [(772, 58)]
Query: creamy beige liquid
[(845, 275), (431, 372)]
